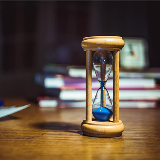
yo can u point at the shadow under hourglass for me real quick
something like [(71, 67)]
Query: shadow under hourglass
[(59, 126)]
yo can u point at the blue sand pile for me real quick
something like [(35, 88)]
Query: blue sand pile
[(102, 114)]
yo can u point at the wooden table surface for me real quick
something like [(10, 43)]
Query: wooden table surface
[(55, 133)]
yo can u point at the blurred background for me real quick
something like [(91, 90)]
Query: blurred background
[(33, 34)]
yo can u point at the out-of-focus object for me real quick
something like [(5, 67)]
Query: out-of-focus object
[(136, 87), (134, 54), (5, 111), (55, 102), (131, 94), (1, 102), (67, 82)]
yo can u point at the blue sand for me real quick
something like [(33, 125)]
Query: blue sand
[(102, 114)]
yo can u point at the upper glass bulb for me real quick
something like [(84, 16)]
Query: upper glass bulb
[(102, 63)]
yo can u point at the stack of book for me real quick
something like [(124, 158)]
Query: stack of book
[(136, 89)]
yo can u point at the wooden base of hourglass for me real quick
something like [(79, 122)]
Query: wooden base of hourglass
[(102, 129)]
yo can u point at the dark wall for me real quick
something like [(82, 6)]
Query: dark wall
[(154, 33), (133, 19), (36, 31)]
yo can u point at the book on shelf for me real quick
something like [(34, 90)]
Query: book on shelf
[(123, 73), (80, 71), (79, 83), (54, 102), (123, 94)]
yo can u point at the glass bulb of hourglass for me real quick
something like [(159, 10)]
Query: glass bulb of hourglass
[(102, 58), (102, 105)]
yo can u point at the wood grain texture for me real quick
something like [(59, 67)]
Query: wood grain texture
[(54, 133), (103, 129), (103, 73), (89, 85), (102, 43), (116, 86)]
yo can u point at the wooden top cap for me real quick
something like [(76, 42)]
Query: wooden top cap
[(102, 43)]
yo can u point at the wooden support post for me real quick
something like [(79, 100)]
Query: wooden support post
[(103, 73), (116, 86), (89, 85)]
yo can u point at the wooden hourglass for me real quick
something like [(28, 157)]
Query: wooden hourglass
[(106, 121)]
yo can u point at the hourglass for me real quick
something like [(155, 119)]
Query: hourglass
[(102, 117)]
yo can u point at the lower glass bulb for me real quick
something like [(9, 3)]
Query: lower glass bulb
[(102, 108)]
